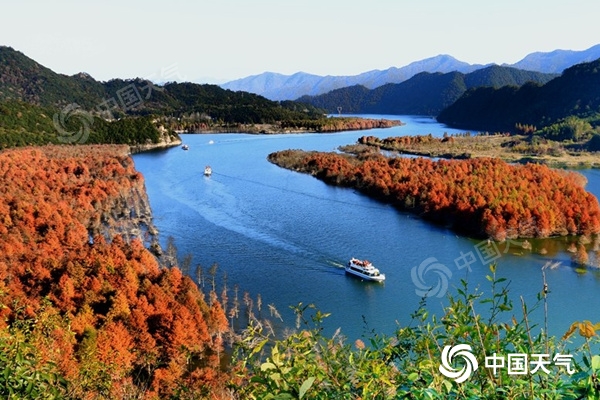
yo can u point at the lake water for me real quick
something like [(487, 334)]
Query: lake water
[(286, 235)]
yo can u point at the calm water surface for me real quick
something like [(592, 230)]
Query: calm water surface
[(286, 235)]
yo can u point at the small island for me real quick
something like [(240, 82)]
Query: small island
[(481, 197)]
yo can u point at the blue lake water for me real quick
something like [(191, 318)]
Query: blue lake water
[(286, 235)]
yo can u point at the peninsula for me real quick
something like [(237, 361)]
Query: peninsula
[(482, 197)]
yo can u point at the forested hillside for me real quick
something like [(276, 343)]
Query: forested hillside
[(24, 124), (575, 93), (424, 94), (39, 106), (24, 80)]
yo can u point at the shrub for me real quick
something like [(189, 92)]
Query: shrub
[(308, 365)]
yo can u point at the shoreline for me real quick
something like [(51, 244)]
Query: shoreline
[(485, 146), (140, 148), (166, 141), (453, 194)]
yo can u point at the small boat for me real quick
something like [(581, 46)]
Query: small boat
[(364, 270), (207, 171), (185, 147)]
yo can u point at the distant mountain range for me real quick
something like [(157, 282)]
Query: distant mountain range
[(286, 87), (558, 60), (276, 86), (423, 94), (488, 98)]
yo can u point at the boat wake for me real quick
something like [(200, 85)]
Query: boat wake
[(218, 205), (336, 264)]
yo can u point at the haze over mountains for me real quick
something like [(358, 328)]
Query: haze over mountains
[(276, 86), (424, 94), (29, 93)]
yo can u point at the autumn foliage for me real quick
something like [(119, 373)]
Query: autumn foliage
[(482, 197), (338, 124), (99, 306)]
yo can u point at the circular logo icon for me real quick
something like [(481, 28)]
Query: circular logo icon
[(67, 133), (470, 362), (443, 276)]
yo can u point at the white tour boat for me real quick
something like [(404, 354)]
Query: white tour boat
[(207, 171), (185, 147), (364, 270)]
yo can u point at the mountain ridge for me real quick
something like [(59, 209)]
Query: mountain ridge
[(38, 106), (573, 93), (288, 87), (424, 94), (276, 86), (557, 61), (22, 79)]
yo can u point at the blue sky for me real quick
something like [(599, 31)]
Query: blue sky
[(220, 40)]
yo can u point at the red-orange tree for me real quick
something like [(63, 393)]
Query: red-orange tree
[(114, 322), (482, 197)]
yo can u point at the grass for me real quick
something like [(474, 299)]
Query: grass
[(513, 149)]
